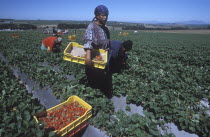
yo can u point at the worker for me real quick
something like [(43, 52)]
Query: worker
[(118, 54), (54, 31), (97, 37), (97, 34), (52, 44)]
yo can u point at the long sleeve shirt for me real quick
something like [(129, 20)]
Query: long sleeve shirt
[(95, 37), (116, 48)]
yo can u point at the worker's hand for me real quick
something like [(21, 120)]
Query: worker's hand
[(89, 62)]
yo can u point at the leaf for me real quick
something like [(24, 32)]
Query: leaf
[(134, 118), (128, 108), (27, 115), (51, 134), (12, 125), (152, 132), (138, 133), (39, 133), (19, 118), (3, 92), (192, 129), (25, 124), (1, 131)]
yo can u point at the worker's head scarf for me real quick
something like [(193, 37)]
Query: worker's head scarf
[(101, 9)]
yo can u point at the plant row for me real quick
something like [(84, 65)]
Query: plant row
[(167, 74)]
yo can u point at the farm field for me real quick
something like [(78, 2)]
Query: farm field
[(168, 74), (193, 31)]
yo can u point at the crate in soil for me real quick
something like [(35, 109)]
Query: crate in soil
[(75, 53), (15, 35), (72, 37), (74, 124)]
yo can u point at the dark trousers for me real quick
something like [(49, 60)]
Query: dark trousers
[(100, 79), (56, 50)]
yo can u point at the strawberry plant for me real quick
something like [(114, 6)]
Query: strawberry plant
[(167, 74), (17, 108)]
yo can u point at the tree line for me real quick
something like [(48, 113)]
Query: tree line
[(13, 26), (142, 27), (17, 26), (72, 26)]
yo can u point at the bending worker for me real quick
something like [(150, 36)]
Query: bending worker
[(118, 54), (52, 44)]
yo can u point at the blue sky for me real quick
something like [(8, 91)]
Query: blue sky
[(120, 10)]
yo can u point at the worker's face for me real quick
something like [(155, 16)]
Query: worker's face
[(102, 18)]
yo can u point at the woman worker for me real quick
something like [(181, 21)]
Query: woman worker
[(97, 37), (52, 44)]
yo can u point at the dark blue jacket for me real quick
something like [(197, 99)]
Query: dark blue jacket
[(115, 46)]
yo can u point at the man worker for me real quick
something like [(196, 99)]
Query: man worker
[(118, 54)]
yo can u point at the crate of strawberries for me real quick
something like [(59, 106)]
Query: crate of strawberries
[(15, 35), (67, 118), (76, 53)]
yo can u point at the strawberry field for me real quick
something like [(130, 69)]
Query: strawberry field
[(167, 74)]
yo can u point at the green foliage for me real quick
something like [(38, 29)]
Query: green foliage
[(17, 108), (168, 74), (16, 26), (135, 125), (72, 26)]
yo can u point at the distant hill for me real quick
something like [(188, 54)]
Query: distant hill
[(182, 24), (195, 22), (192, 22)]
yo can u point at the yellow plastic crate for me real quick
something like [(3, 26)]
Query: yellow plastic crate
[(72, 37), (15, 35), (125, 34), (79, 123), (69, 57)]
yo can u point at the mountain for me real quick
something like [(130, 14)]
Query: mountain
[(146, 22), (191, 22)]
